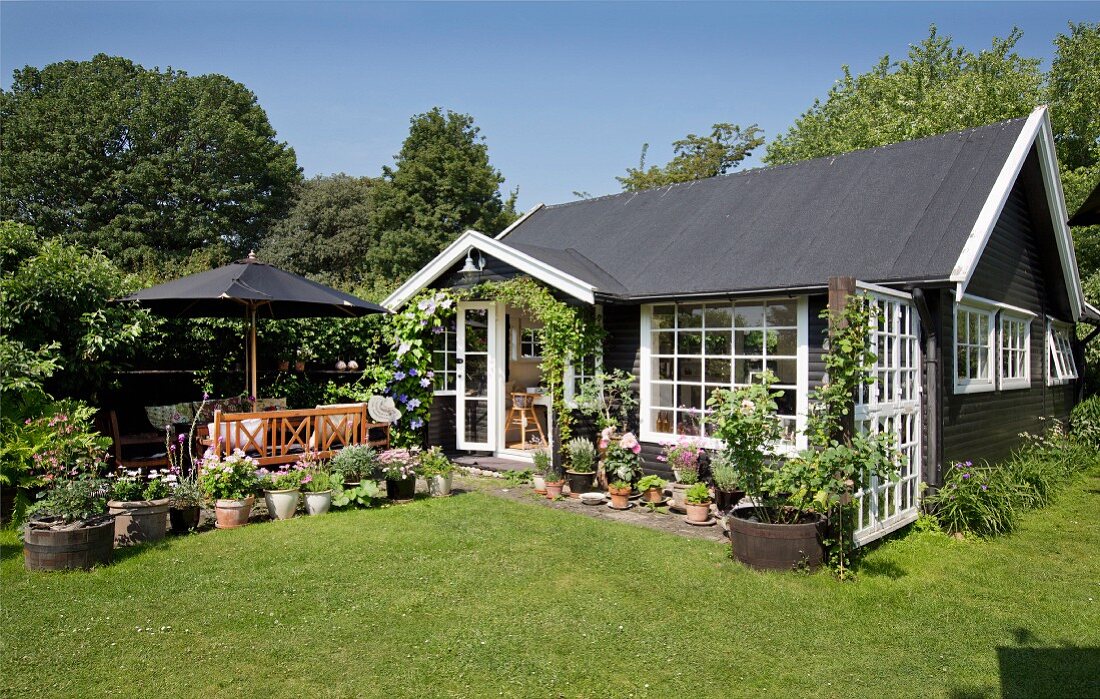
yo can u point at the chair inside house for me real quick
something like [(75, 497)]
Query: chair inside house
[(136, 449), (523, 416)]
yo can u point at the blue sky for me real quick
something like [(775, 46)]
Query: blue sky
[(565, 93)]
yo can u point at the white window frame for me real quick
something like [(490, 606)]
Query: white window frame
[(1007, 383), (1061, 364), (572, 375), (449, 352), (975, 385), (801, 384)]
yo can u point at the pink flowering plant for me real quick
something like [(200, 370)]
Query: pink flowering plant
[(398, 464), (682, 456), (58, 446), (229, 477), (621, 458), (288, 477)]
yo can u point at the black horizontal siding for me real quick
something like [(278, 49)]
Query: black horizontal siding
[(442, 423), (819, 328)]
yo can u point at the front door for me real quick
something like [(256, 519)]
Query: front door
[(475, 360)]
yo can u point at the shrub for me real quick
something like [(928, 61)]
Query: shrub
[(75, 500), (354, 463), (1085, 422), (980, 500), (582, 455)]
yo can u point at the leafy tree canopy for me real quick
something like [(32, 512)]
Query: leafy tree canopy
[(1074, 85), (940, 87), (327, 233), (441, 184), (142, 164), (696, 157)]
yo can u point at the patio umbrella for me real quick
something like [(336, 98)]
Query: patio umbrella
[(253, 289)]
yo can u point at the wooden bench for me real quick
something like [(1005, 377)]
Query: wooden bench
[(281, 436)]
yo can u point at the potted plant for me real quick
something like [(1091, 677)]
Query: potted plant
[(697, 502), (544, 462), (282, 488), (140, 506), (398, 468), (652, 489), (438, 471), (354, 464), (360, 494), (619, 491), (582, 461), (317, 486), (229, 481), (69, 527), (609, 399), (620, 459), (186, 502), (727, 490), (682, 456)]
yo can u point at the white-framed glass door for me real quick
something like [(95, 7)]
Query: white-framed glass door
[(475, 359)]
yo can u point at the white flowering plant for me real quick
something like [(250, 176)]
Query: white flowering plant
[(132, 485), (398, 464), (229, 477)]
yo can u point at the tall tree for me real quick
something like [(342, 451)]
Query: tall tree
[(142, 164), (441, 184), (327, 233), (696, 157), (940, 87), (1074, 84)]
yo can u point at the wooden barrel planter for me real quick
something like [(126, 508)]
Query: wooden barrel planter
[(139, 521), (68, 549), (776, 546)]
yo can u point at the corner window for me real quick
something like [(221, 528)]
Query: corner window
[(692, 349), (1015, 351), (1062, 367), (530, 344), (443, 359), (973, 349)]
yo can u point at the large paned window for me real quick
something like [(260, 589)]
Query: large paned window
[(443, 359), (973, 349), (1015, 351), (1062, 365), (693, 349)]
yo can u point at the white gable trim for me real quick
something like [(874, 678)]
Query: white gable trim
[(1037, 131), (519, 220), (521, 261)]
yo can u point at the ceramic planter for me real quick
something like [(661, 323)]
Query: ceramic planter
[(439, 486), (697, 513), (620, 497), (579, 482), (184, 519), (553, 490), (233, 512), (776, 546), (139, 521), (281, 504), (678, 495), (71, 549), (539, 482), (402, 490), (653, 495), (318, 503)]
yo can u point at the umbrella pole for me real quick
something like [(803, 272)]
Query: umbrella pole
[(255, 392)]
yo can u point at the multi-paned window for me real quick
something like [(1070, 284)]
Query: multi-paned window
[(1062, 365), (530, 343), (1015, 346), (584, 370), (443, 358), (697, 348), (973, 349)]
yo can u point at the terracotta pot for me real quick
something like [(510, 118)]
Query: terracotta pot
[(318, 503), (281, 504), (579, 482), (697, 513), (620, 497), (284, 365), (184, 519), (233, 513), (299, 365), (72, 549), (553, 490), (539, 482), (402, 490), (776, 546), (653, 495), (139, 521)]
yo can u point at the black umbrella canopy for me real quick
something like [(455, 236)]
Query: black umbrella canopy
[(230, 291)]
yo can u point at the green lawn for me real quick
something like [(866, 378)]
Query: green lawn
[(477, 596)]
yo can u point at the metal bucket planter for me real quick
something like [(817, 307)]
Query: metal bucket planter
[(539, 483), (776, 546), (439, 486), (579, 482), (71, 549), (281, 504), (139, 521), (318, 503), (402, 490), (679, 499), (233, 513), (184, 519)]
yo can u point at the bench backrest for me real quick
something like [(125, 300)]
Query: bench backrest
[(281, 436)]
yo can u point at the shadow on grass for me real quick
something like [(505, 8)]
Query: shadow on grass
[(879, 568), (13, 551), (1033, 671)]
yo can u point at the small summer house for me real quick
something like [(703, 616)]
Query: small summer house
[(961, 239)]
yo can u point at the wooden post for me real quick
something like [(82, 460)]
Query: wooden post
[(254, 390), (840, 290)]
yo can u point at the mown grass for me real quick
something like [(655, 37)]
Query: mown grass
[(476, 596)]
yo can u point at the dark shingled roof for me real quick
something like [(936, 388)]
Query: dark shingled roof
[(891, 214)]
